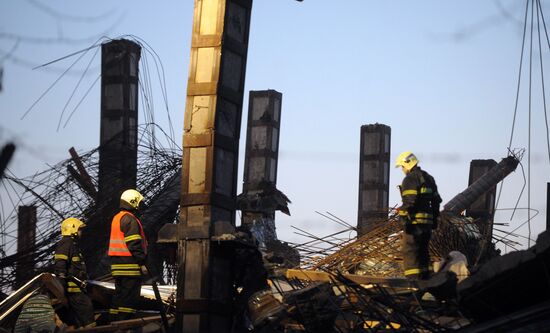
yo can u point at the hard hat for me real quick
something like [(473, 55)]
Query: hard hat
[(407, 160), (70, 226), (132, 198)]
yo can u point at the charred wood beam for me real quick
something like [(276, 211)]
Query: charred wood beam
[(82, 183), (84, 177), (465, 199), (311, 275), (123, 325)]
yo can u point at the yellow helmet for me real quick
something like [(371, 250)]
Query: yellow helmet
[(132, 198), (407, 160), (70, 226)]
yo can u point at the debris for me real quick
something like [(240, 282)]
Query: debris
[(508, 283), (455, 262), (464, 199)]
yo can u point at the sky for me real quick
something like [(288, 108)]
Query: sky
[(442, 75)]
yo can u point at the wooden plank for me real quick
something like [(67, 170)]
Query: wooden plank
[(360, 279), (123, 324), (86, 179)]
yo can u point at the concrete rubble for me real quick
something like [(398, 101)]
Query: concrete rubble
[(358, 287)]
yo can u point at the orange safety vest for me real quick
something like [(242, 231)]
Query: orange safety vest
[(117, 244)]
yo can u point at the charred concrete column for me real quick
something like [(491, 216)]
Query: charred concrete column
[(119, 119), (5, 156), (209, 169), (26, 238), (118, 142), (484, 207), (483, 184), (374, 165), (548, 206), (261, 159)]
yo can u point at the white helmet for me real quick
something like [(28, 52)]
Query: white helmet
[(131, 197)]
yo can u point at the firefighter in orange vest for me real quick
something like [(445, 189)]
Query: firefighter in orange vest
[(128, 253)]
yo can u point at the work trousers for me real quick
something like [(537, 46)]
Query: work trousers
[(81, 307), (415, 251), (126, 298)]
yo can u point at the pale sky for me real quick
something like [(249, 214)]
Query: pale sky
[(441, 74)]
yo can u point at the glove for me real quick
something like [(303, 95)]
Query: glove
[(144, 270)]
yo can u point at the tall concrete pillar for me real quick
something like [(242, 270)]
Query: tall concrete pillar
[(261, 159), (484, 207), (119, 120), (118, 144), (548, 206), (26, 239), (209, 170), (374, 176)]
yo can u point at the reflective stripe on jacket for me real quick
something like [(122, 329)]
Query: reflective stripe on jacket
[(68, 261), (420, 198)]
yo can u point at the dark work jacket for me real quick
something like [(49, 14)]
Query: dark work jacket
[(420, 197), (68, 259)]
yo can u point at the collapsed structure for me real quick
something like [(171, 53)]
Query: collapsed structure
[(358, 284), (355, 285)]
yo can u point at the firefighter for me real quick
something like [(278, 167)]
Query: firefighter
[(419, 213), (128, 253), (70, 268)]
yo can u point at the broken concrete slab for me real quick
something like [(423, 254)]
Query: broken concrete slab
[(508, 283)]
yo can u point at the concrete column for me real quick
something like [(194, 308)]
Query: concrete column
[(484, 207), (26, 239), (548, 206), (374, 176), (118, 145), (209, 170), (261, 159), (119, 120)]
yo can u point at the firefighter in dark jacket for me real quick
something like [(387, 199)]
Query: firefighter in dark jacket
[(70, 268), (128, 253), (419, 213)]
